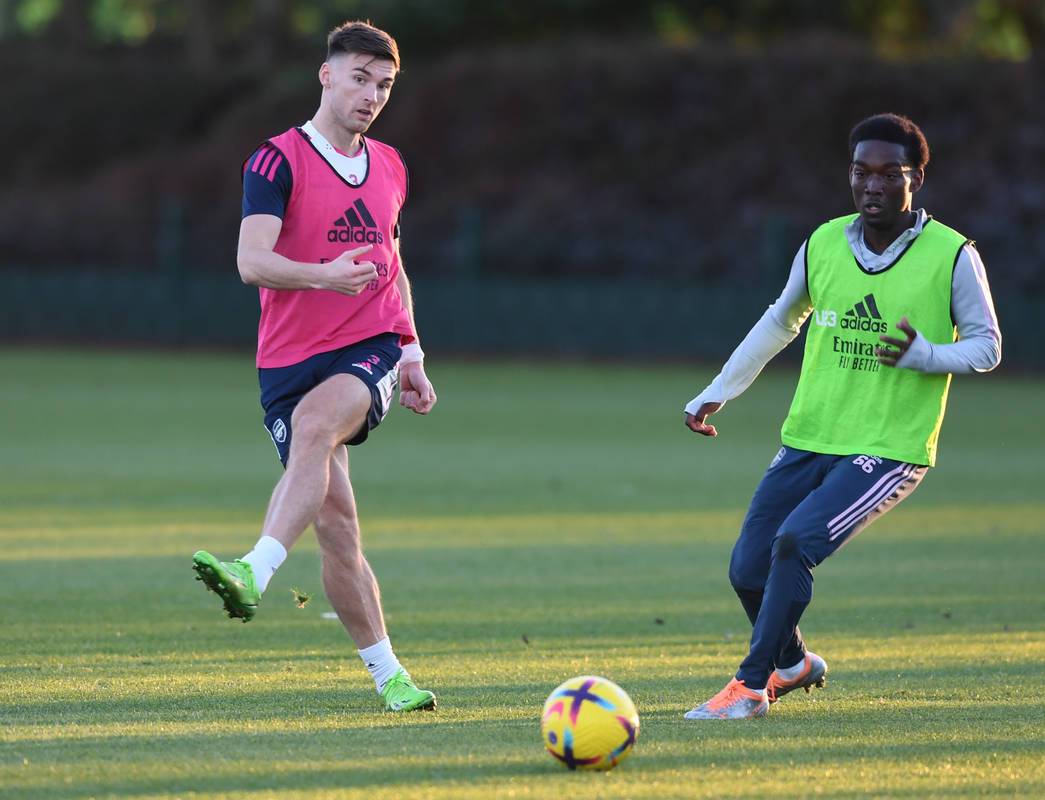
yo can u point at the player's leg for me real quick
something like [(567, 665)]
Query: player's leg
[(353, 591), (310, 408), (791, 476), (320, 419), (327, 416), (347, 578), (856, 491)]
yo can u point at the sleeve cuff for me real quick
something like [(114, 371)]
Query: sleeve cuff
[(693, 406), (918, 355)]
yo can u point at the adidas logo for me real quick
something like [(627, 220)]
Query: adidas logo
[(356, 226), (864, 316), (365, 365)]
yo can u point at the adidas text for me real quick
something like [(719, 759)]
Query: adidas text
[(864, 324), (355, 236)]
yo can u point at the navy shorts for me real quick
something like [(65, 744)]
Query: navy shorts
[(374, 361)]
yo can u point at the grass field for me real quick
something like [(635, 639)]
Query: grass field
[(545, 521)]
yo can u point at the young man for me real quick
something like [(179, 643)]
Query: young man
[(320, 237), (866, 415)]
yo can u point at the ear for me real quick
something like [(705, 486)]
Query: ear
[(324, 75), (917, 179), (849, 174)]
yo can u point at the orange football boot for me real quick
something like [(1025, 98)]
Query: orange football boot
[(734, 702), (814, 674)]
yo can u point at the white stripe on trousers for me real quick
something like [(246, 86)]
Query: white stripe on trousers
[(873, 490), (873, 497)]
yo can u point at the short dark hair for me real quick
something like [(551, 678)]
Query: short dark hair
[(358, 36), (892, 128)]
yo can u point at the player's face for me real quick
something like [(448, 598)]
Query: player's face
[(358, 87), (883, 183)]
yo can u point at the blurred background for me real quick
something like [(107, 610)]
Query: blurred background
[(591, 178)]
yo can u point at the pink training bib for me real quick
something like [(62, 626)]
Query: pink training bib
[(326, 216)]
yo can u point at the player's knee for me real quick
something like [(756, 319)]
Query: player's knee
[(744, 573), (337, 525), (786, 544), (310, 431), (739, 581), (737, 574), (797, 544)]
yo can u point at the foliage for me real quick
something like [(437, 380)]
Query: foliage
[(1007, 29)]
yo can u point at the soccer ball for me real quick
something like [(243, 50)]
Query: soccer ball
[(589, 723)]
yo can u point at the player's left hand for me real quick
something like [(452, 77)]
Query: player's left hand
[(890, 357), (698, 422), (415, 390)]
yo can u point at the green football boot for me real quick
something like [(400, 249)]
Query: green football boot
[(233, 581), (400, 694)]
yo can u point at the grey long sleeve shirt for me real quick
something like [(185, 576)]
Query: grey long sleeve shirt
[(978, 348)]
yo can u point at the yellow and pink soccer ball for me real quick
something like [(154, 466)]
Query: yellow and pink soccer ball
[(589, 723)]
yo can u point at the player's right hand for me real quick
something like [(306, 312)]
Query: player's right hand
[(346, 275), (696, 422)]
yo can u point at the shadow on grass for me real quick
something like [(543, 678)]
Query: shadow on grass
[(995, 687), (336, 710), (353, 745), (440, 754), (250, 705)]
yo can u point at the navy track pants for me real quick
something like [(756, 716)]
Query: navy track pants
[(806, 507)]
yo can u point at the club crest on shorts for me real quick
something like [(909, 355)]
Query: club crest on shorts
[(777, 457), (279, 431)]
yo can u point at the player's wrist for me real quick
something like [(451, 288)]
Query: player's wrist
[(412, 354), (698, 402), (316, 276), (918, 356), (694, 405)]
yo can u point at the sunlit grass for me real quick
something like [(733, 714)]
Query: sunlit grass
[(511, 557)]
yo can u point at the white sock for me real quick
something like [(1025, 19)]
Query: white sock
[(790, 673), (265, 559), (381, 662)]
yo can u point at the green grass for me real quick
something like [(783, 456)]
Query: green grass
[(546, 521)]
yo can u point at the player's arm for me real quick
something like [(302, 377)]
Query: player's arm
[(415, 390), (259, 265), (267, 185), (978, 348), (403, 284), (776, 329)]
